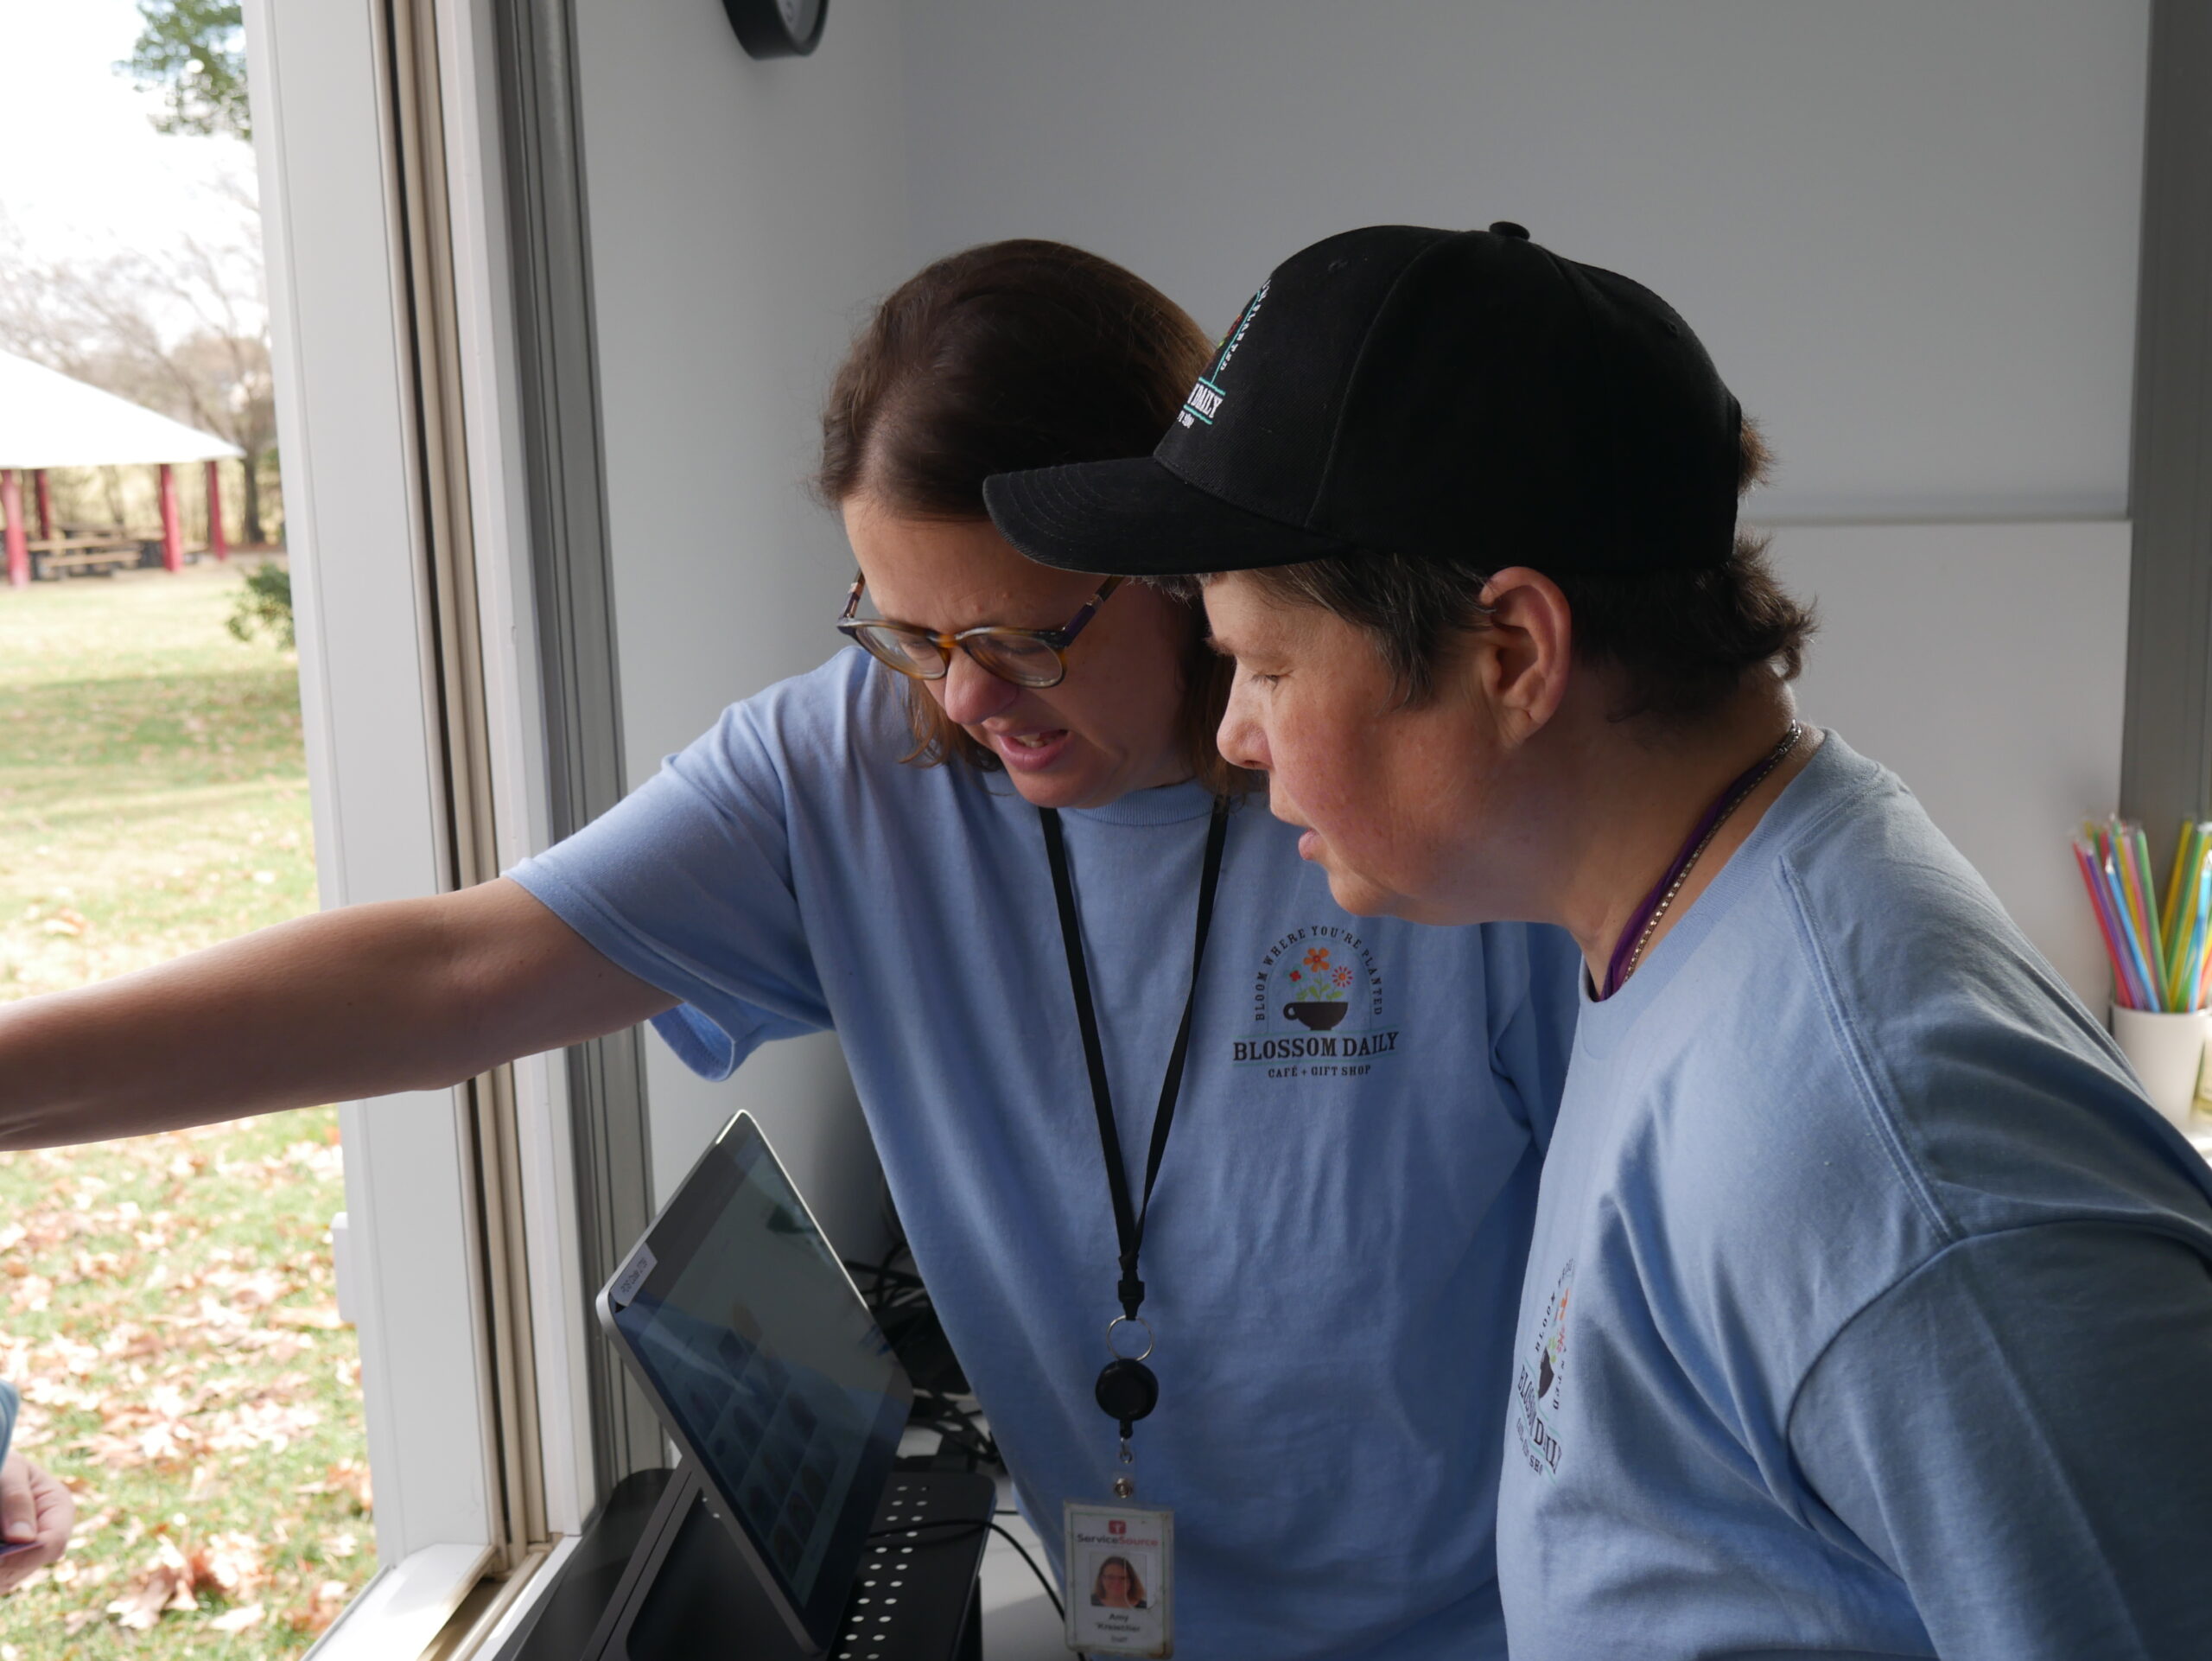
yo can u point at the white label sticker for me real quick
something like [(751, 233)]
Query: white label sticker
[(632, 1277), (1120, 1579)]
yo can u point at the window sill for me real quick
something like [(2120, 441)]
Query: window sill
[(401, 1612)]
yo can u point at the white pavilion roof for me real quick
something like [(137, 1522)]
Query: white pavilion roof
[(47, 420)]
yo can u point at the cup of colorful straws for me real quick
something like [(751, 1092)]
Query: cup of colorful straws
[(2160, 943)]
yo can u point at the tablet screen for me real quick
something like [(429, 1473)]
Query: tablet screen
[(769, 1366)]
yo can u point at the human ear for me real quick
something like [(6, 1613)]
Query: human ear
[(1525, 649)]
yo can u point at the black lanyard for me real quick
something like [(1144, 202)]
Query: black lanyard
[(1126, 1389)]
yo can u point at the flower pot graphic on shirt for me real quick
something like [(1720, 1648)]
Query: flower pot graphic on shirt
[(1316, 1008), (1317, 988)]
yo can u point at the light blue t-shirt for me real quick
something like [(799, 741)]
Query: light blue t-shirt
[(1869, 1311), (1336, 1243)]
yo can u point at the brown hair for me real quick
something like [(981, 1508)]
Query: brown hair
[(1098, 1581), (1684, 639), (1007, 356)]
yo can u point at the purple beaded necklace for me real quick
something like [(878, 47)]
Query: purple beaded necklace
[(1630, 951)]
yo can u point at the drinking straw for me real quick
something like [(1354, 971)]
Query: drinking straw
[(2183, 869), (2173, 925), (2142, 937), (2197, 959), (2182, 950), (2127, 911), (2204, 995), (2111, 916), (2190, 991), (2139, 848), (2122, 974), (2183, 960), (2085, 855)]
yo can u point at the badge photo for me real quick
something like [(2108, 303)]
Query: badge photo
[(1120, 1579)]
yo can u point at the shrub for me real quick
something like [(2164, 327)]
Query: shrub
[(266, 604)]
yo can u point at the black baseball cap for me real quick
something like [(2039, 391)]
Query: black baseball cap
[(1413, 391)]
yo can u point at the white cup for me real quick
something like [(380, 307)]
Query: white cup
[(2167, 1051)]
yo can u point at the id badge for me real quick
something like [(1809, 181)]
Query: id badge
[(1121, 1564)]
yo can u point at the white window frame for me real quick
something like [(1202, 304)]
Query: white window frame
[(515, 708), (346, 388)]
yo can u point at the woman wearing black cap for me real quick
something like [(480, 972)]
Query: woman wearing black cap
[(1869, 1311)]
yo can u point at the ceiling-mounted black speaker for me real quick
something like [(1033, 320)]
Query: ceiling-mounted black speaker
[(776, 28)]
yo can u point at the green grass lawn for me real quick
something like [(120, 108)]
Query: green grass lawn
[(167, 1305)]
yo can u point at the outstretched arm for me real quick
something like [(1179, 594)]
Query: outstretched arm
[(365, 1001)]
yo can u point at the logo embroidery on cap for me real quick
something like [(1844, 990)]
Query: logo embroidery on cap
[(1206, 398)]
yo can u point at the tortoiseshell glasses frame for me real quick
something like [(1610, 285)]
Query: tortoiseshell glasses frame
[(1034, 658)]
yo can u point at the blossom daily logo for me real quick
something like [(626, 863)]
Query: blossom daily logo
[(1207, 396), (1540, 1384), (1318, 1007)]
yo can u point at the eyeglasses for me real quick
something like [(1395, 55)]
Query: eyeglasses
[(1026, 656)]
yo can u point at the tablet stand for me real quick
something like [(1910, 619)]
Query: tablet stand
[(683, 1590)]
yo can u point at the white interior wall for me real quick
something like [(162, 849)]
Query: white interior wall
[(742, 216), (1908, 232), (1982, 662)]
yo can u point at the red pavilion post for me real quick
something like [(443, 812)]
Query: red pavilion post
[(45, 506), (216, 545), (172, 527), (19, 553)]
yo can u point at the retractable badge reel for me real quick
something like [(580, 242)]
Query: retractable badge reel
[(1121, 1557), (1127, 1390)]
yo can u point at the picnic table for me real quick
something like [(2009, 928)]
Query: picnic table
[(98, 553)]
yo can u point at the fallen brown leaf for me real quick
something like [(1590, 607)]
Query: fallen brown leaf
[(348, 1476), (229, 1563), (314, 1616), (162, 1585), (238, 1620), (323, 1318)]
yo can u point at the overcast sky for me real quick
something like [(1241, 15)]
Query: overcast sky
[(85, 167)]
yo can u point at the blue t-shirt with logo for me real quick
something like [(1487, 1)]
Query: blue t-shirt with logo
[(1869, 1310), (1335, 1242)]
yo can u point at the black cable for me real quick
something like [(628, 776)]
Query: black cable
[(959, 1433), (883, 1268), (970, 1524), (960, 1428), (900, 1301), (1058, 1608)]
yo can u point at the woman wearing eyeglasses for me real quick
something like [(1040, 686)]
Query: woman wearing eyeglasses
[(988, 849)]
